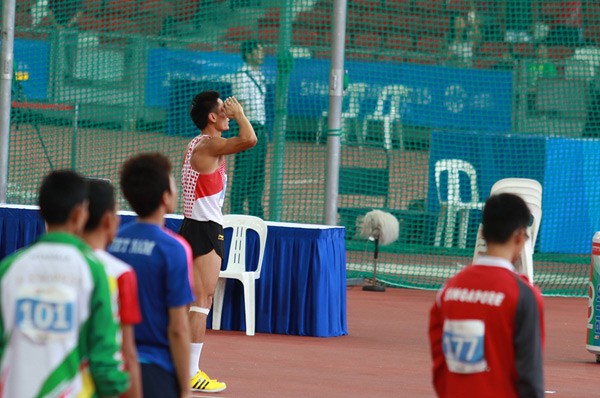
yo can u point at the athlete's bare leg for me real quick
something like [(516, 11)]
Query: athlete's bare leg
[(206, 275)]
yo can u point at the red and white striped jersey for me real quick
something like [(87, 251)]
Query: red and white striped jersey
[(203, 194)]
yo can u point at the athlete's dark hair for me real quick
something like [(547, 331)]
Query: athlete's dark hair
[(203, 104), (248, 47), (144, 180), (101, 196), (60, 192), (504, 214)]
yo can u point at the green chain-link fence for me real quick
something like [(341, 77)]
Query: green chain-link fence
[(509, 86)]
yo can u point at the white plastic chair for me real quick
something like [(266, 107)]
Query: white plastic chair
[(350, 114), (454, 206), (393, 95), (531, 192), (236, 267)]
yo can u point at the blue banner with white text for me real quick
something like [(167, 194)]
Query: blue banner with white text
[(433, 96)]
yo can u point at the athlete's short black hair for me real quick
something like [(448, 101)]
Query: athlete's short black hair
[(101, 197), (203, 104), (503, 214), (60, 192), (144, 180)]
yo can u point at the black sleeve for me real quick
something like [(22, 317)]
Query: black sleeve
[(528, 344)]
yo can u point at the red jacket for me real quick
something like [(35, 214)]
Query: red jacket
[(487, 334)]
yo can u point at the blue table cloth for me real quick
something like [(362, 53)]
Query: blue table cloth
[(19, 227), (302, 288)]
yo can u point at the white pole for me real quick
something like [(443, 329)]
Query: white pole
[(6, 72), (336, 83)]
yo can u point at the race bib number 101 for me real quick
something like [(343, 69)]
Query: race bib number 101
[(463, 346), (45, 314)]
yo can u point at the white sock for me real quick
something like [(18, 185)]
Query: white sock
[(195, 351)]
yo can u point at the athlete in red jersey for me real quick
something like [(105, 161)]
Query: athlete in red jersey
[(203, 179), (203, 194), (99, 231), (486, 326)]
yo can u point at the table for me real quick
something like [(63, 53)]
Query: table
[(567, 168), (19, 226), (302, 288)]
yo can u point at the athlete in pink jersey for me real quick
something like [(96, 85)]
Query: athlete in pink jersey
[(203, 179)]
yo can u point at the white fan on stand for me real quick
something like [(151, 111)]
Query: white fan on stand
[(382, 228)]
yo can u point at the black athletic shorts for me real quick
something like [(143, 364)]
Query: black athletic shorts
[(203, 236), (158, 383)]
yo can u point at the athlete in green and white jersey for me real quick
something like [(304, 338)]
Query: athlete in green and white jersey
[(58, 336), (57, 326)]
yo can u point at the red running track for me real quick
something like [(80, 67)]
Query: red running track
[(385, 354)]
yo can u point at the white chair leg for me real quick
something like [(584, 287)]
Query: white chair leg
[(527, 261), (320, 127), (480, 245), (439, 230), (387, 138), (463, 228), (249, 305), (218, 304), (365, 130), (450, 224)]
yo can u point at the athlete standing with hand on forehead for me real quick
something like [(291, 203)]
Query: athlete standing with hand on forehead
[(204, 179)]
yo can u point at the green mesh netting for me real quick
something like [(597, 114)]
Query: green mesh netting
[(506, 86)]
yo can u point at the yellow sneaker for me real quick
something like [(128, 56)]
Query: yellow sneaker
[(201, 382)]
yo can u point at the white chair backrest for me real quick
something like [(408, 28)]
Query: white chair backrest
[(517, 185), (393, 94), (531, 192), (454, 167), (355, 94), (237, 252)]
